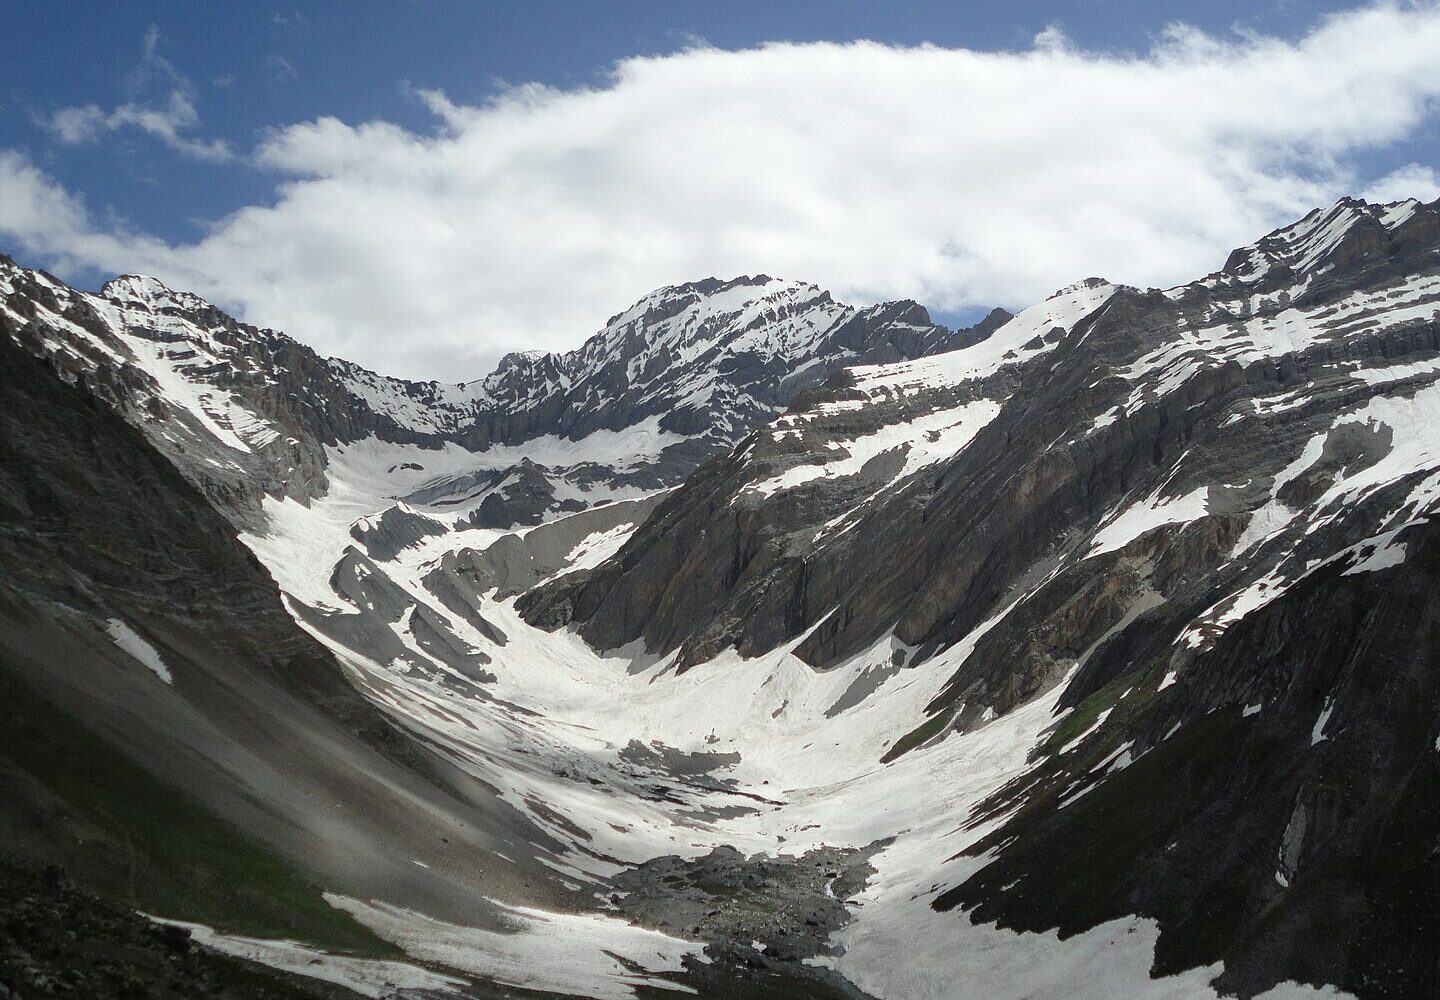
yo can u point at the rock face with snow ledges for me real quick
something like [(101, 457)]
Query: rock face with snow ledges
[(244, 413), (708, 361), (1204, 513), (1095, 365)]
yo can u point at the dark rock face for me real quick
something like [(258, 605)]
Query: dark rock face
[(1253, 838), (396, 529), (94, 519), (759, 916), (521, 495)]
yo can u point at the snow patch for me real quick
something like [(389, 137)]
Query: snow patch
[(126, 638), (376, 978), (569, 953), (1147, 515), (1317, 732)]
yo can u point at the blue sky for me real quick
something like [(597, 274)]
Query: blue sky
[(237, 85)]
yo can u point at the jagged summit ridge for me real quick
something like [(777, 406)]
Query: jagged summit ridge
[(691, 369), (697, 347), (1326, 238)]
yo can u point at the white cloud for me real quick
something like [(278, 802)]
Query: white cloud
[(282, 70), (50, 222), (955, 177), (1410, 181), (167, 116)]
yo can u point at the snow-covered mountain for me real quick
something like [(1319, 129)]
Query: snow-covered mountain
[(768, 646), (1198, 521), (706, 359), (676, 379)]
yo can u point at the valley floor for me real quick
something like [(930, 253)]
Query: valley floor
[(736, 812)]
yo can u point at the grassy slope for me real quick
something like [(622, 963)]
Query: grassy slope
[(72, 799)]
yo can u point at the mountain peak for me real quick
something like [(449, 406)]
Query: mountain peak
[(1078, 286), (712, 296), (517, 359), (149, 294), (129, 286), (1322, 238)]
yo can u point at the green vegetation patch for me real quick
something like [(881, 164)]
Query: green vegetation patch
[(1083, 717), (920, 735), (69, 797)]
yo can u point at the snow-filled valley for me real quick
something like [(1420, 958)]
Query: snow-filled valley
[(821, 677), (552, 732)]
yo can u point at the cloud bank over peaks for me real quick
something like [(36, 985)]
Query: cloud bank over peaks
[(959, 178)]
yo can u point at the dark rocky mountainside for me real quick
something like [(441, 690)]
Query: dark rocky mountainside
[(171, 735), (57, 940), (1209, 513), (1254, 835)]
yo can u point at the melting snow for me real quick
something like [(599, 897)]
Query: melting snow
[(368, 977), (126, 638), (1317, 733), (569, 953), (1148, 515)]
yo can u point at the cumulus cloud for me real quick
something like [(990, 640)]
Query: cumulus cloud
[(1410, 181), (166, 116), (955, 177), (48, 221)]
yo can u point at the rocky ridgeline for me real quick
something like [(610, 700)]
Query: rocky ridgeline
[(708, 359), (247, 412)]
